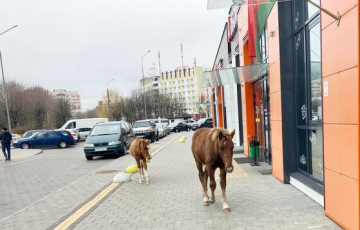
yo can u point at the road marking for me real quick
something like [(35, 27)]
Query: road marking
[(84, 209), (59, 190)]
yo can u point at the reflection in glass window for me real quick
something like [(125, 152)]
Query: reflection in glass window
[(315, 73), (316, 145), (312, 9)]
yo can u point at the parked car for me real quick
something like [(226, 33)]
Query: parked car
[(190, 122), (109, 139), (166, 128), (82, 123), (161, 120), (161, 130), (146, 129), (204, 122), (82, 133), (74, 135), (179, 126), (58, 138), (29, 133)]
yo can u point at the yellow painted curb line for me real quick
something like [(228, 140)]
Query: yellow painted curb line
[(84, 209), (80, 212)]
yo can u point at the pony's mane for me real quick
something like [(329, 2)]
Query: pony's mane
[(214, 133)]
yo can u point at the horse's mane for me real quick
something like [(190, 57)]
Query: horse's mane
[(214, 134)]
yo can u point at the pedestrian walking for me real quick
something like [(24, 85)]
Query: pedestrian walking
[(5, 138)]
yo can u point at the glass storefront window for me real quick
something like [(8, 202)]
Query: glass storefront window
[(298, 14), (301, 78), (315, 73), (312, 9), (303, 160), (316, 146)]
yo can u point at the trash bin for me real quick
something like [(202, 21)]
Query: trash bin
[(254, 149)]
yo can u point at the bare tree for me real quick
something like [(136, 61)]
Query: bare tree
[(37, 99), (61, 111), (16, 102)]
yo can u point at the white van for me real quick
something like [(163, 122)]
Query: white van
[(83, 123)]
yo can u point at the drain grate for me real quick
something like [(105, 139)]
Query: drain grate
[(108, 171)]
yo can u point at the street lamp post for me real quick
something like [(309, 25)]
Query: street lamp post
[(4, 85), (5, 95), (142, 68), (107, 90)]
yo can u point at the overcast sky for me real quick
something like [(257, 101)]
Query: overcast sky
[(82, 44)]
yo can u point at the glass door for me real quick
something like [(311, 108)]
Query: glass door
[(262, 117), (307, 40)]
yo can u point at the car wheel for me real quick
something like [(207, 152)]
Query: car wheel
[(89, 158), (157, 137), (62, 144), (25, 146)]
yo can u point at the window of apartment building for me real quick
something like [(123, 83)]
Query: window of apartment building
[(307, 44)]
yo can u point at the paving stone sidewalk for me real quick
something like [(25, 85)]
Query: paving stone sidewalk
[(51, 210), (173, 200), (17, 154)]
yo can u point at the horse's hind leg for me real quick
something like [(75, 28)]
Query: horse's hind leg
[(203, 176), (226, 207), (211, 172)]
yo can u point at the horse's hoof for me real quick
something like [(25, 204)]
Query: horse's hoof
[(147, 182), (206, 203), (212, 201), (227, 210)]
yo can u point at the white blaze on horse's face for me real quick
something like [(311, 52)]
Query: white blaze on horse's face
[(145, 149), (226, 147)]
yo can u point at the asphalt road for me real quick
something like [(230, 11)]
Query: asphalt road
[(26, 181)]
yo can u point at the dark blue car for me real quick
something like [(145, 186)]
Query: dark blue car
[(48, 138)]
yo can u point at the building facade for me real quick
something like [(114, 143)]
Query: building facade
[(72, 96), (184, 84), (299, 78)]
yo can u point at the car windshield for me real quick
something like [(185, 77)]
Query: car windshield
[(173, 124), (29, 134), (109, 129), (201, 120), (141, 124)]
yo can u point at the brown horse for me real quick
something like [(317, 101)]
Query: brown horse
[(139, 149), (213, 148)]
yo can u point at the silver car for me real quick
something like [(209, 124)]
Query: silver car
[(161, 130), (82, 133)]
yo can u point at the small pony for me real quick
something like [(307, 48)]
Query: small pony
[(214, 149), (139, 149)]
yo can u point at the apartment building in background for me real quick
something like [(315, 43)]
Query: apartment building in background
[(72, 96), (182, 83)]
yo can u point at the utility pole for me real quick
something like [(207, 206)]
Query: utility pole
[(4, 85), (142, 68)]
